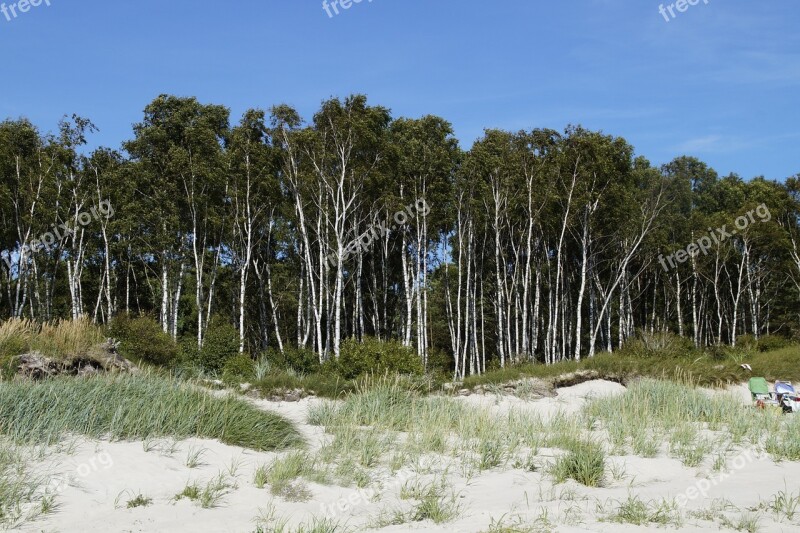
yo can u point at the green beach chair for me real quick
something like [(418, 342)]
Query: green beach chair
[(759, 390)]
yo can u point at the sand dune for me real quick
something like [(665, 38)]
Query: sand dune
[(103, 477)]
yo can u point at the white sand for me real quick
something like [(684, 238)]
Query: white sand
[(569, 400), (503, 494)]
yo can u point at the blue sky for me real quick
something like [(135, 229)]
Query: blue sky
[(719, 81)]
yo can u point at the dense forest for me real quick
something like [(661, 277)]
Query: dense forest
[(532, 245)]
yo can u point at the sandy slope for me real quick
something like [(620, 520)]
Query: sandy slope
[(569, 400), (106, 475)]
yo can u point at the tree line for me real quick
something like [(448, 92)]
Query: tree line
[(536, 245)]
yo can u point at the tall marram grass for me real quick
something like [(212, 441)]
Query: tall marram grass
[(15, 337), (133, 407), (68, 338), (61, 340)]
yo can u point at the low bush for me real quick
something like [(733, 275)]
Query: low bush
[(747, 342), (187, 350), (770, 343), (724, 352), (662, 344), (372, 356), (439, 363), (143, 340), (220, 344), (300, 360), (238, 369)]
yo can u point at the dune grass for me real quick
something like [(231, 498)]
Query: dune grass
[(61, 340), (692, 422), (282, 475), (134, 407), (785, 445), (421, 430), (651, 418), (584, 462), (638, 512), (211, 494), (434, 501)]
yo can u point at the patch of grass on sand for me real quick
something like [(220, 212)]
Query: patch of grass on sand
[(283, 473), (23, 494), (584, 462), (432, 501), (209, 495), (139, 501), (636, 511)]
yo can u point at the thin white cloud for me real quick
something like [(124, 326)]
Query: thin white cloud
[(708, 143), (716, 143)]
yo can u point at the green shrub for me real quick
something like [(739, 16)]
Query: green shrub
[(768, 343), (187, 350), (723, 352), (300, 360), (747, 342), (372, 356), (661, 343), (142, 339), (220, 344), (238, 369), (439, 362)]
